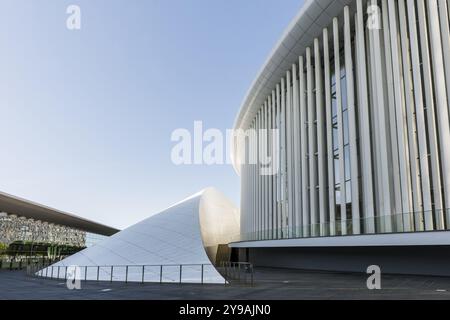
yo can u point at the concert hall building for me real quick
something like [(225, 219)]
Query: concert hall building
[(358, 91)]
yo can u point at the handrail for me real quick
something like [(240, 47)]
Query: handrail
[(238, 271), (54, 272)]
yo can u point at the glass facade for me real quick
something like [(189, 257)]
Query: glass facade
[(14, 228)]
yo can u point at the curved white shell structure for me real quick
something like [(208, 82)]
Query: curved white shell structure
[(171, 238)]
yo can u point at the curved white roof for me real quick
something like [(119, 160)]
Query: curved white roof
[(172, 237), (314, 16)]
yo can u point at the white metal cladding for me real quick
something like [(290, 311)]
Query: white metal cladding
[(359, 91), (185, 234)]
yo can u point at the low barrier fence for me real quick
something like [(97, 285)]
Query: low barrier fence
[(183, 273), (241, 272)]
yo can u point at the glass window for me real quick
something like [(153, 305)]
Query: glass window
[(337, 176), (333, 101), (344, 93), (347, 162), (335, 136), (338, 194), (342, 67), (345, 129), (348, 192)]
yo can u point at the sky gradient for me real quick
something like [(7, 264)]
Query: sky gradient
[(87, 115)]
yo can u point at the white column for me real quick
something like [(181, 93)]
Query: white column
[(337, 68), (396, 206), (445, 36), (420, 117), (280, 159), (393, 204), (374, 112), (261, 177), (356, 217), (257, 177), (431, 116), (275, 148), (403, 149), (329, 134), (304, 150), (381, 103), (242, 193), (265, 176), (253, 220), (244, 213), (416, 224), (289, 173), (365, 132), (284, 157), (312, 134), (441, 98), (321, 141), (270, 176), (448, 9), (296, 153)]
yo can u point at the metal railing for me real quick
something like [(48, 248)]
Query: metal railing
[(241, 272), (422, 221), (176, 273)]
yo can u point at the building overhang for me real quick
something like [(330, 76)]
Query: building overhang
[(23, 208), (432, 238)]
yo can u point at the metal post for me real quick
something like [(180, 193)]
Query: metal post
[(85, 273), (143, 273), (126, 274), (160, 274), (112, 270), (46, 272), (252, 275), (51, 277), (98, 273), (59, 267), (181, 270), (202, 273), (65, 274), (239, 271)]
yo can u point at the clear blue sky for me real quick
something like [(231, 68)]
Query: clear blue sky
[(86, 116)]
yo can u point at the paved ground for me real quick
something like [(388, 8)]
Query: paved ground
[(270, 284)]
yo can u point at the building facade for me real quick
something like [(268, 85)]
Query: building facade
[(29, 222), (358, 93), (13, 228)]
